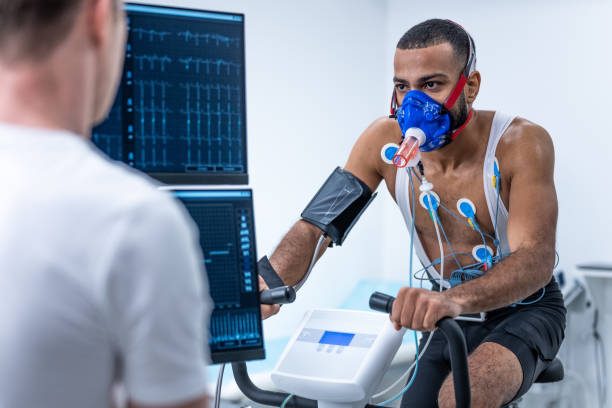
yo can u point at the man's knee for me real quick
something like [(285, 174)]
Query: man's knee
[(446, 397), (479, 397), (495, 377)]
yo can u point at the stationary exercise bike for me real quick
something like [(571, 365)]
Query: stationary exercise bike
[(310, 383), (337, 357)]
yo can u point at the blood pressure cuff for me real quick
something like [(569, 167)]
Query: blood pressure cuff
[(338, 205), (268, 274)]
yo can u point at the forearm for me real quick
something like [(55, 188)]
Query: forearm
[(519, 275), (294, 253)]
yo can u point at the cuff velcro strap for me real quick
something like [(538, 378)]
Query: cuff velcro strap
[(269, 275)]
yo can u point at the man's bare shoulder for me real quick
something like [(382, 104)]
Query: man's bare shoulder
[(382, 131), (525, 144), (365, 161)]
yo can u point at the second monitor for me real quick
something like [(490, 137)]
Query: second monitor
[(227, 237)]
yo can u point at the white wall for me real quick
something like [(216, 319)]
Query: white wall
[(313, 72)]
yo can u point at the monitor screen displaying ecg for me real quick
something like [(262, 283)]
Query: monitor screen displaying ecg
[(227, 237), (180, 112)]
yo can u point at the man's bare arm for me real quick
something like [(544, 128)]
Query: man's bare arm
[(292, 258), (531, 227), (293, 255)]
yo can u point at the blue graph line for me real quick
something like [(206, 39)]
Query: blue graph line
[(153, 34), (216, 38), (152, 59), (208, 62)]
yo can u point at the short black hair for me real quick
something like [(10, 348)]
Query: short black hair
[(437, 31)]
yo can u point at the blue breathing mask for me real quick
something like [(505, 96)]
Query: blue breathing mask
[(420, 111)]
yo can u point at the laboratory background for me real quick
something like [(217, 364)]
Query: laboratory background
[(319, 72)]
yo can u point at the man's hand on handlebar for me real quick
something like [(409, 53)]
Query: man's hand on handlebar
[(420, 309), (267, 310)]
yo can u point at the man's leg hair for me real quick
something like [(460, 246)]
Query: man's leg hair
[(496, 376), (433, 369)]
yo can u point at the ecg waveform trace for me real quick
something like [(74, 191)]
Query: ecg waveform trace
[(228, 67), (151, 34), (214, 37), (163, 60), (230, 329), (183, 97)]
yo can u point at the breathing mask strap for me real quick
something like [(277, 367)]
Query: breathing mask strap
[(452, 98), (470, 66), (394, 105), (460, 128)]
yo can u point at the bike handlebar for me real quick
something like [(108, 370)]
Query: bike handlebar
[(277, 296), (456, 344)]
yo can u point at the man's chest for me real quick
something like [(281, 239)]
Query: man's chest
[(462, 205), (463, 211)]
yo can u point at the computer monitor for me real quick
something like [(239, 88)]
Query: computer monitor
[(227, 236), (180, 112)]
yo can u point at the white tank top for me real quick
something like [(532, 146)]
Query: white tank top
[(500, 124)]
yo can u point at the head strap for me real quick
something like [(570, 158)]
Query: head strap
[(470, 66), (456, 132), (394, 104)]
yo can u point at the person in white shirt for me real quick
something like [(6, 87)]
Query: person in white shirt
[(102, 279)]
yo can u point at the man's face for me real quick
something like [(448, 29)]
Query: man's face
[(111, 61), (433, 70)]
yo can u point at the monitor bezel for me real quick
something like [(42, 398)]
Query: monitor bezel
[(256, 353), (171, 178)]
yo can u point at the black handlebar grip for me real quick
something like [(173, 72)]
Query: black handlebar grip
[(277, 296), (456, 343), (381, 302), (459, 363)]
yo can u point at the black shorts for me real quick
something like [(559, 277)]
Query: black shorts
[(532, 332)]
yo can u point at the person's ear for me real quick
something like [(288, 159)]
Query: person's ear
[(99, 17), (472, 87)]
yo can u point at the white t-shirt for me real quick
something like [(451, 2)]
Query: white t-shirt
[(101, 280)]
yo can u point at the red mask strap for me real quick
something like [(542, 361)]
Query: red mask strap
[(450, 102), (393, 103), (470, 66), (456, 132)]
